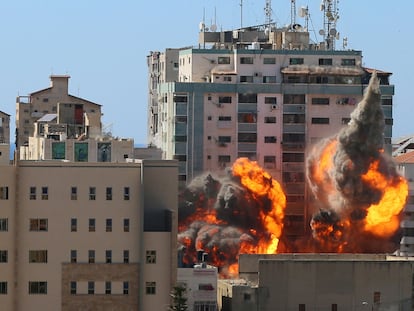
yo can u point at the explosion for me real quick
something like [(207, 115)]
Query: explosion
[(359, 191), (242, 213), (359, 197)]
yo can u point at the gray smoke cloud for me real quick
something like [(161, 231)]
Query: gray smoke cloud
[(341, 191)]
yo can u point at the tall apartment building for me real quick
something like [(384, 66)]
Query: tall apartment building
[(85, 234), (259, 92)]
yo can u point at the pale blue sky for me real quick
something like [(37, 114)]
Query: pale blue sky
[(103, 46)]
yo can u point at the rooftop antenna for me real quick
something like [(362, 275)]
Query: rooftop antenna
[(330, 17), (241, 14), (292, 13), (268, 12)]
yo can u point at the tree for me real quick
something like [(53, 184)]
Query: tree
[(179, 299)]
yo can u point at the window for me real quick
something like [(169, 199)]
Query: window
[(224, 159), (38, 288), (92, 193), (126, 193), (227, 78), (108, 256), (45, 195), (223, 60), (180, 138), (73, 193), (345, 120), (4, 224), (108, 225), (248, 98), (296, 61), (224, 139), (271, 100), (247, 117), (320, 120), (32, 193), (108, 287), (91, 256), (246, 79), (302, 307), (247, 296), (205, 286), (38, 224), (4, 193), (109, 193), (270, 120), (126, 288), (269, 79), (39, 256), (293, 157), (73, 288), (269, 159), (150, 288), (126, 224), (181, 119), (334, 307), (269, 60), (73, 255), (91, 224), (126, 256), (270, 139), (151, 256), (291, 99), (224, 118), (3, 256), (246, 60), (320, 101), (3, 288), (377, 298), (325, 61), (73, 225), (348, 62), (389, 121), (225, 99), (91, 288), (247, 137)]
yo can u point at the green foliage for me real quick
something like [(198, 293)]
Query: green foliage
[(179, 299)]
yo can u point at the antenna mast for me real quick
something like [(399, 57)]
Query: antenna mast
[(241, 14), (330, 17), (292, 13), (268, 12)]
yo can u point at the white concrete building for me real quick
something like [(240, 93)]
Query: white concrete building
[(201, 286)]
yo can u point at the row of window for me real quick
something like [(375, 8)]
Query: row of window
[(291, 99), (41, 224), (40, 256), (74, 193), (249, 60), (92, 290)]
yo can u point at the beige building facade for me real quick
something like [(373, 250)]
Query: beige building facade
[(304, 282), (88, 236)]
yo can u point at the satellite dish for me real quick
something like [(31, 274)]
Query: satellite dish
[(322, 32), (213, 27), (201, 26), (332, 32)]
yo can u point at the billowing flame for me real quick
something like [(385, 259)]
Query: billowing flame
[(261, 183), (382, 218), (245, 216)]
